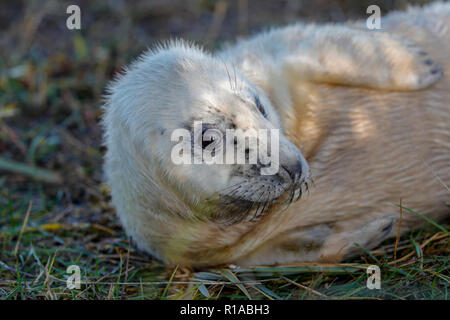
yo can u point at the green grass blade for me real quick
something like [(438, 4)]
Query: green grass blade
[(233, 278), (426, 219)]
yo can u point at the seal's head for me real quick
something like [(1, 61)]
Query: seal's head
[(191, 126)]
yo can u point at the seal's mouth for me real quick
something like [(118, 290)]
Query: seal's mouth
[(251, 199)]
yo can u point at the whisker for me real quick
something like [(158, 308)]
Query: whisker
[(299, 193), (228, 73), (235, 77), (239, 183), (291, 197), (256, 211), (235, 208)]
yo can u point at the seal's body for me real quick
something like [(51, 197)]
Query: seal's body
[(365, 113)]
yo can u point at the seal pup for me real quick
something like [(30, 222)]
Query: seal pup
[(365, 112)]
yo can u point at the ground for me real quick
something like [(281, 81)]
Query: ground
[(54, 208)]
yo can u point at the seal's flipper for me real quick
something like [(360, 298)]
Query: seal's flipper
[(373, 59)]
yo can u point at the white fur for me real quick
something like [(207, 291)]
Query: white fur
[(158, 201)]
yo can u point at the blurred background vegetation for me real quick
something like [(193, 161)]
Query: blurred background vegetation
[(54, 209)]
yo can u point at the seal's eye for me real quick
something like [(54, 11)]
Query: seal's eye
[(260, 107)]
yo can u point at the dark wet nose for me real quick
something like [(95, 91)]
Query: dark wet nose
[(294, 171)]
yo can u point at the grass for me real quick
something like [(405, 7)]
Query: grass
[(54, 209), (35, 254)]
